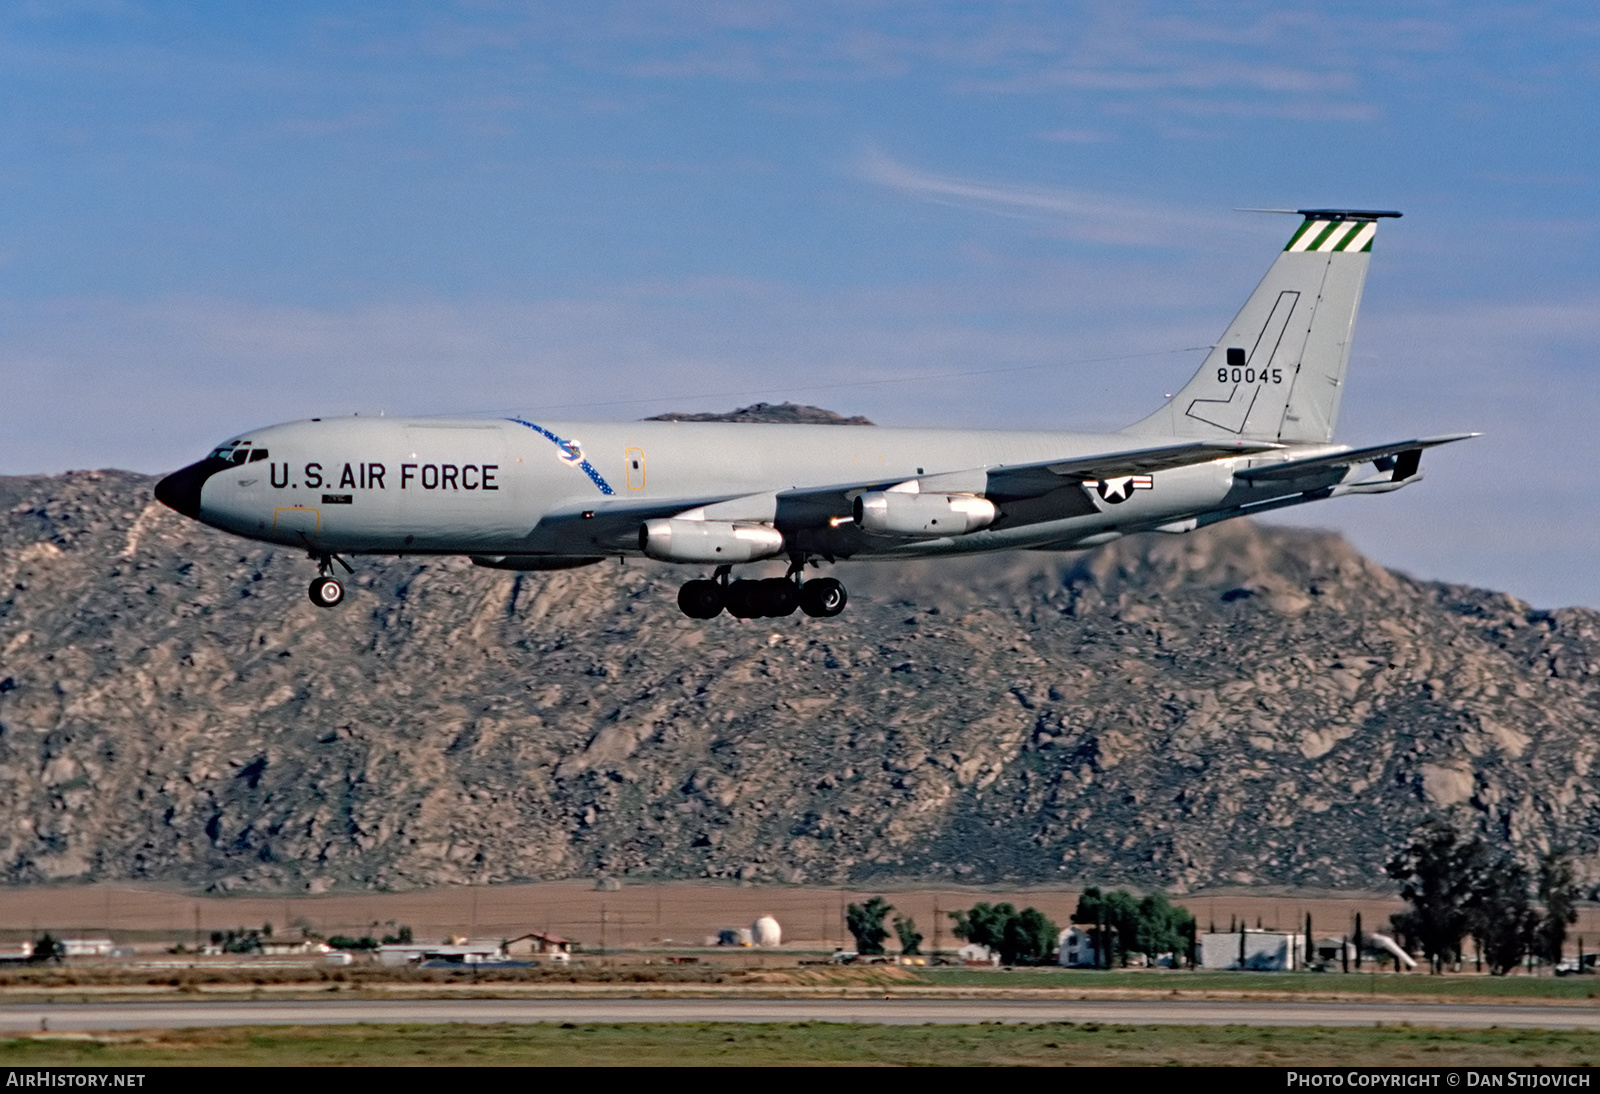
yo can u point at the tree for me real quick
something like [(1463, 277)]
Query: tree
[(46, 948), (984, 924), (1030, 939), (1456, 887), (1439, 874), (1116, 919), (1161, 927), (1151, 926), (1501, 916), (1020, 938), (1558, 892), (865, 921), (906, 929)]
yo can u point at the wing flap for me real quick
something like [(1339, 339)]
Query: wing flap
[(1036, 479), (1294, 469)]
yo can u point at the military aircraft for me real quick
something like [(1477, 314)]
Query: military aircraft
[(1251, 432)]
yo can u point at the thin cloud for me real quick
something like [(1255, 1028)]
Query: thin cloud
[(1079, 214), (1077, 136)]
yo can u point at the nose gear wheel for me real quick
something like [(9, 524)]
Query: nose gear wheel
[(326, 592)]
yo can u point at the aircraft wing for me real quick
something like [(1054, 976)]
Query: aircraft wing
[(814, 506), (1406, 455), (606, 525), (1033, 480)]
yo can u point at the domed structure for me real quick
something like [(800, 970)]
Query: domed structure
[(767, 931)]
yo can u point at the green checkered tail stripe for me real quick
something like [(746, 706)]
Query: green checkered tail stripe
[(1334, 235)]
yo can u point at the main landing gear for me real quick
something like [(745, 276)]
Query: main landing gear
[(769, 598), (326, 591)]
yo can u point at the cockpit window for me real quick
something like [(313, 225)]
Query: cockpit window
[(258, 454), (238, 452)]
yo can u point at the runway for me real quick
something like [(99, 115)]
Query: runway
[(105, 1017)]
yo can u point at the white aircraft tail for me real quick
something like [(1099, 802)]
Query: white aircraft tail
[(1278, 372)]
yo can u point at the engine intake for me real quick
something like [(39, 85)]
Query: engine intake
[(893, 513), (675, 540)]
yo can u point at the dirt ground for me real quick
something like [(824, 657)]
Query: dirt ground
[(634, 916), (806, 1044)]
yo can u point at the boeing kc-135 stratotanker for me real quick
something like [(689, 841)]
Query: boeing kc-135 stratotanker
[(1252, 431)]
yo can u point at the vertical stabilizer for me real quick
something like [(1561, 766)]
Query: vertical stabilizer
[(1278, 372)]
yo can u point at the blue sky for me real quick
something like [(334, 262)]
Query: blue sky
[(223, 215)]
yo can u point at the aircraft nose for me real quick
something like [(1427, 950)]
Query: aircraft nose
[(181, 489)]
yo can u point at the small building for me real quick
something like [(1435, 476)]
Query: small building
[(1075, 949), (975, 954), (286, 948), (87, 947), (482, 951), (1334, 951), (767, 931), (1256, 950), (538, 943)]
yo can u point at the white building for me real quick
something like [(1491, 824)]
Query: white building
[(539, 943), (470, 952), (1075, 949), (767, 932), (287, 948), (974, 954), (86, 947), (1263, 951)]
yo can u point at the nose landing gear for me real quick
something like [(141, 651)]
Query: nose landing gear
[(770, 598), (326, 591)]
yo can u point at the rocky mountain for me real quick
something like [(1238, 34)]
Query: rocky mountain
[(1242, 705), (783, 413)]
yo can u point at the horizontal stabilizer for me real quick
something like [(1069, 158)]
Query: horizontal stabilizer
[(1294, 469)]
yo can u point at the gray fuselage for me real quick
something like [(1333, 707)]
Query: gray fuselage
[(509, 487)]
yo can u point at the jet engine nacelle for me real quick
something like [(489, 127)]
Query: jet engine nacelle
[(676, 540), (893, 513)]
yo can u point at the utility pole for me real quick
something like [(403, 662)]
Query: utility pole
[(602, 928)]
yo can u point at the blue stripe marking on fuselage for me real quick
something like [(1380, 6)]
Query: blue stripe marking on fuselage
[(561, 443)]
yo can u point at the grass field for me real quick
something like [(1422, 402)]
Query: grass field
[(805, 1043), (1303, 984)]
